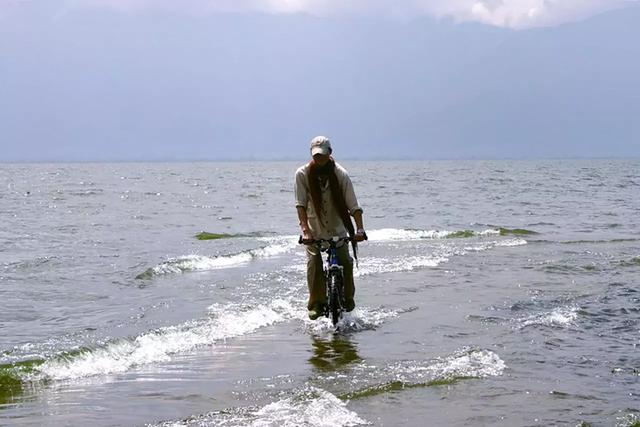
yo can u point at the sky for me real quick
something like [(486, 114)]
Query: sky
[(170, 80)]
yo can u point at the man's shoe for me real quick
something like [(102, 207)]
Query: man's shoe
[(317, 311), (349, 305), (314, 313)]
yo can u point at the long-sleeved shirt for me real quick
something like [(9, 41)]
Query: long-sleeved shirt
[(332, 223)]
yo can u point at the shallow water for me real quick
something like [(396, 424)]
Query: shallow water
[(489, 293)]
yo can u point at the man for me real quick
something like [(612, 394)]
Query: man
[(325, 202)]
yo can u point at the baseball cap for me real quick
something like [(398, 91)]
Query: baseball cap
[(320, 145)]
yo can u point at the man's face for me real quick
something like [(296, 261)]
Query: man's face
[(321, 159)]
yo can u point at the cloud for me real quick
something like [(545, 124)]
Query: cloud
[(503, 13), (521, 13)]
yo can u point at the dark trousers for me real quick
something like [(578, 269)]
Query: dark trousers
[(316, 279)]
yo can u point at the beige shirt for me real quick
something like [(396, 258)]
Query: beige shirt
[(332, 224)]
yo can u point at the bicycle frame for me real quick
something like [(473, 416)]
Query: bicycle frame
[(332, 258), (333, 273)]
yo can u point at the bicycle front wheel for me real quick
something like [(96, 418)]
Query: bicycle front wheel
[(335, 300)]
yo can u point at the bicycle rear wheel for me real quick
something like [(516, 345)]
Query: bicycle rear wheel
[(335, 298)]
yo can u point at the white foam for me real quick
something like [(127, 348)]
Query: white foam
[(313, 408), (324, 410), (361, 318), (391, 234), (386, 234), (371, 265), (275, 246), (628, 419), (559, 317), (492, 244), (158, 346), (489, 232), (227, 321), (511, 242), (199, 263), (475, 363), (466, 363), (368, 265)]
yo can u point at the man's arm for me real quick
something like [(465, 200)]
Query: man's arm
[(352, 204), (357, 216), (302, 194), (304, 223)]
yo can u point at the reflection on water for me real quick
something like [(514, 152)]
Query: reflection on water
[(332, 353)]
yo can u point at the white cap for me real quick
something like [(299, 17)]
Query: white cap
[(320, 145)]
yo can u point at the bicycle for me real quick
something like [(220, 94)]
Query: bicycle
[(333, 273)]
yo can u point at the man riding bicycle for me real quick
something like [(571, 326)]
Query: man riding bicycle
[(325, 202)]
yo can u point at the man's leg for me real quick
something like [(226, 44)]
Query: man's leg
[(347, 272), (315, 278)]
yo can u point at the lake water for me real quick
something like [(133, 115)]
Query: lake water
[(489, 293)]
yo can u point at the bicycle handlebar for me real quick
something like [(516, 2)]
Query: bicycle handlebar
[(331, 240)]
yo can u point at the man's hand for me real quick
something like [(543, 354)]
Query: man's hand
[(360, 235), (307, 236)]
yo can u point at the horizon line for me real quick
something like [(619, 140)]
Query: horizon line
[(301, 159)]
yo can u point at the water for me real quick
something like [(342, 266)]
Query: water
[(489, 293)]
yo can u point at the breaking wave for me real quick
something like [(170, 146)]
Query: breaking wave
[(276, 246), (372, 265), (360, 319), (391, 234), (224, 322), (468, 364), (464, 364), (283, 244), (152, 347), (312, 407), (558, 317)]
